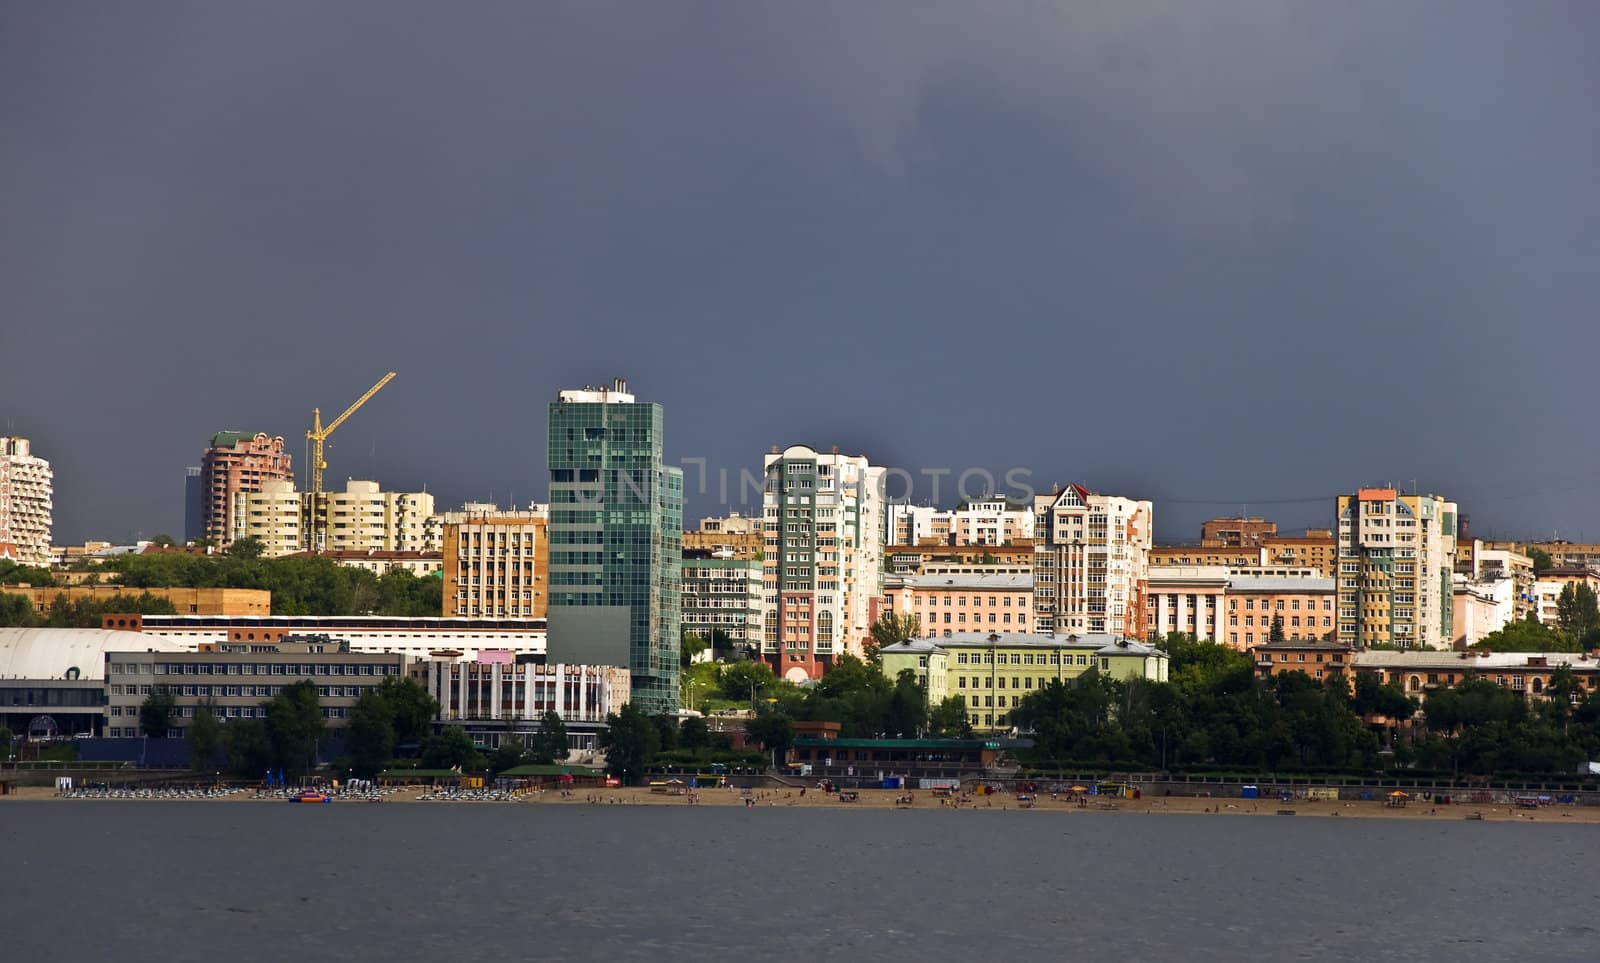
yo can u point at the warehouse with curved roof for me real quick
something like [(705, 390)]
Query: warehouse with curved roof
[(72, 653)]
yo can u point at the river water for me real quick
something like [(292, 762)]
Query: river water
[(235, 882)]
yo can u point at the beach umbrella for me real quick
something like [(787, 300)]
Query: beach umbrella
[(1397, 794), (1079, 789)]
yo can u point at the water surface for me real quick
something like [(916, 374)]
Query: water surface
[(235, 882)]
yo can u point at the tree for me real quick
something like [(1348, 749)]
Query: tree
[(90, 613), (450, 749), (549, 745), (775, 732), (155, 714), (694, 734), (246, 549), (907, 713), (891, 628), (295, 726), (692, 645), (1384, 699), (248, 748), (1576, 609), (1527, 635), (13, 574), (1541, 560), (5, 742), (16, 610), (205, 737), (370, 738), (630, 740), (1276, 634), (400, 593), (510, 754), (948, 720), (741, 680), (413, 708), (164, 540), (667, 729)]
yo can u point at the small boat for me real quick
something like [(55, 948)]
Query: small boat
[(1475, 816), (311, 796), (1286, 812)]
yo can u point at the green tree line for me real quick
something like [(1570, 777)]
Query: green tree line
[(310, 585), (1577, 627), (17, 610), (1215, 712)]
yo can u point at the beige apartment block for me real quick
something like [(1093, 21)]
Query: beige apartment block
[(1397, 556), (496, 563), (362, 518)]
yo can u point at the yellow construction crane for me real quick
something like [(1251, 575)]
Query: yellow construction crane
[(318, 434)]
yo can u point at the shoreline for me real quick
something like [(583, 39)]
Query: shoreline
[(886, 799)]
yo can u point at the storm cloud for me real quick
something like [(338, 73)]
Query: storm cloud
[(1222, 255)]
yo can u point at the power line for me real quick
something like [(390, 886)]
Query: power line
[(1245, 501)]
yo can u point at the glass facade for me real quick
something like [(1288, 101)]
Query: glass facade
[(616, 531)]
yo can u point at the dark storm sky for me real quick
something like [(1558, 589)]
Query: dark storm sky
[(1217, 252)]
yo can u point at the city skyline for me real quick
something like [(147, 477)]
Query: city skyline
[(1212, 260)]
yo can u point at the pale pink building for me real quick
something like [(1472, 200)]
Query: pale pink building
[(947, 604), (235, 462), (1305, 606)]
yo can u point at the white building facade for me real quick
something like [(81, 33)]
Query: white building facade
[(1091, 563), (822, 546), (1188, 599), (27, 487), (975, 522)]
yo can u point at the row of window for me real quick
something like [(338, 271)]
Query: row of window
[(977, 600), (234, 692), (1023, 658), (304, 670), (225, 712), (977, 618), (1293, 621)]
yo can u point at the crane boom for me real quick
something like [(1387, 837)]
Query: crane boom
[(319, 434)]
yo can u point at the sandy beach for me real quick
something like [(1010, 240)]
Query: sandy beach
[(880, 799)]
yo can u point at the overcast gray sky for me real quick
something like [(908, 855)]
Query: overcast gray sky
[(1217, 252)]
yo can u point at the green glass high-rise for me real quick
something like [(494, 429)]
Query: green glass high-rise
[(615, 541)]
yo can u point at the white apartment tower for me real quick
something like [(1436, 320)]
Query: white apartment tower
[(1091, 563), (26, 488), (822, 547)]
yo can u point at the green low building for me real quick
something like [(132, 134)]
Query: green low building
[(993, 673)]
